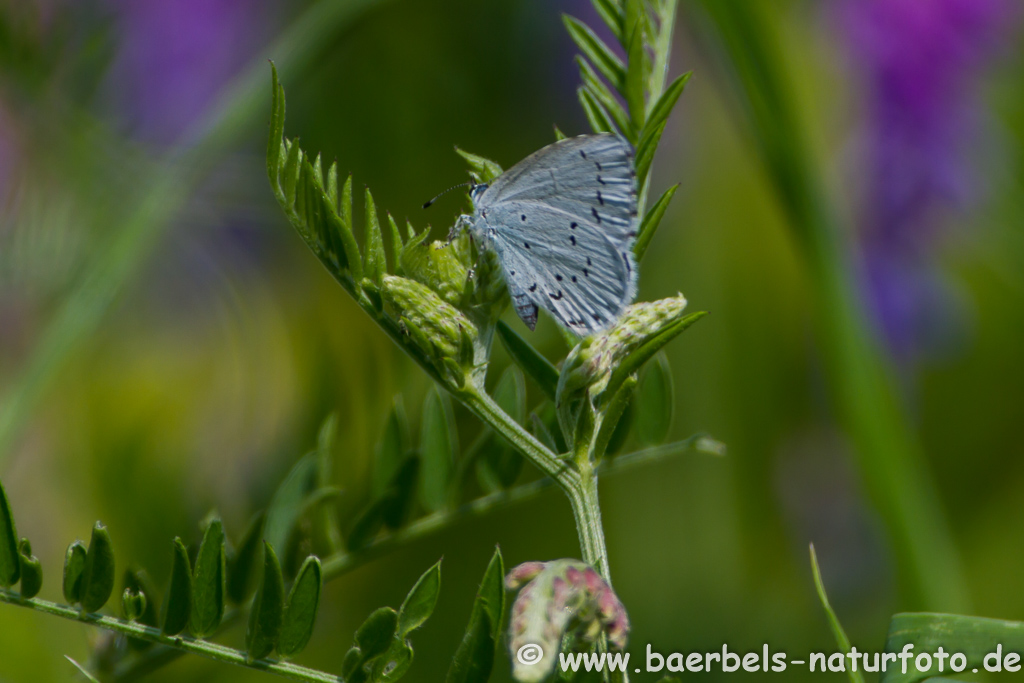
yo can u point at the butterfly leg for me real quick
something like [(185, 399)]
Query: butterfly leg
[(461, 224)]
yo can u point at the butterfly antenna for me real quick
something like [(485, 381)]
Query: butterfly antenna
[(453, 187)]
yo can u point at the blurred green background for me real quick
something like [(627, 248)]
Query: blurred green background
[(181, 346)]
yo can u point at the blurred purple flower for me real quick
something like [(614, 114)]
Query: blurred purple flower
[(921, 60), (175, 56)]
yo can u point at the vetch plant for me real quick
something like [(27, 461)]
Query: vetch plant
[(441, 303)]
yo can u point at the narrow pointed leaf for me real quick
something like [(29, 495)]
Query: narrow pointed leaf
[(599, 54), (394, 443), (178, 602), (98, 573), (661, 109), (598, 117), (655, 402), (634, 92), (10, 560), (331, 185), (264, 628), (290, 500), (326, 533), (208, 582), (485, 169), (438, 444), (536, 366), (420, 602), (559, 135), (242, 574), (401, 493), (542, 433), (396, 243), (645, 151), (611, 14), (651, 222), (635, 360), (833, 621), (31, 571), (300, 612), (345, 233), (613, 432), (276, 131), (74, 565), (376, 265), (475, 655), (593, 83), (290, 173)]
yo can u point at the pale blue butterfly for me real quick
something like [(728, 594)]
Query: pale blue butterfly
[(562, 222)]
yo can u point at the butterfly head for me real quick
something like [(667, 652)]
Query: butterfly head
[(476, 191)]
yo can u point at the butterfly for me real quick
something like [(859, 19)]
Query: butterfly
[(562, 223)]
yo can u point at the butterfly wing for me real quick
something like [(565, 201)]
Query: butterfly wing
[(562, 222)]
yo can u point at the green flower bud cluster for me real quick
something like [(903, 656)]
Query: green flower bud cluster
[(559, 598), (435, 327)]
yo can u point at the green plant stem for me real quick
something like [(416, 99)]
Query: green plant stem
[(337, 565), (135, 240), (188, 644)]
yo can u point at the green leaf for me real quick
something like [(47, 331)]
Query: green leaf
[(543, 434), (208, 582), (290, 500), (10, 558), (975, 637), (635, 360), (241, 580), (264, 628), (394, 443), (651, 221), (593, 83), (598, 117), (536, 366), (559, 135), (376, 264), (599, 54), (475, 655), (655, 402), (276, 131), (396, 243), (300, 613), (401, 493), (31, 571), (332, 185), (325, 531), (501, 464), (420, 602), (634, 91), (178, 602), (661, 109), (374, 636), (98, 572), (833, 621), (614, 413), (611, 14), (74, 565), (484, 169), (645, 151), (438, 445)]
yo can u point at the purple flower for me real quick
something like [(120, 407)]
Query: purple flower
[(921, 60), (175, 56)]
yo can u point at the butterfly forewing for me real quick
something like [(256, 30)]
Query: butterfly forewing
[(562, 222)]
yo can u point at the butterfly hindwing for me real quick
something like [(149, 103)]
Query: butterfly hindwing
[(562, 223)]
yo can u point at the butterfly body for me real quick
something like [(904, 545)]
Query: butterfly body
[(562, 223)]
